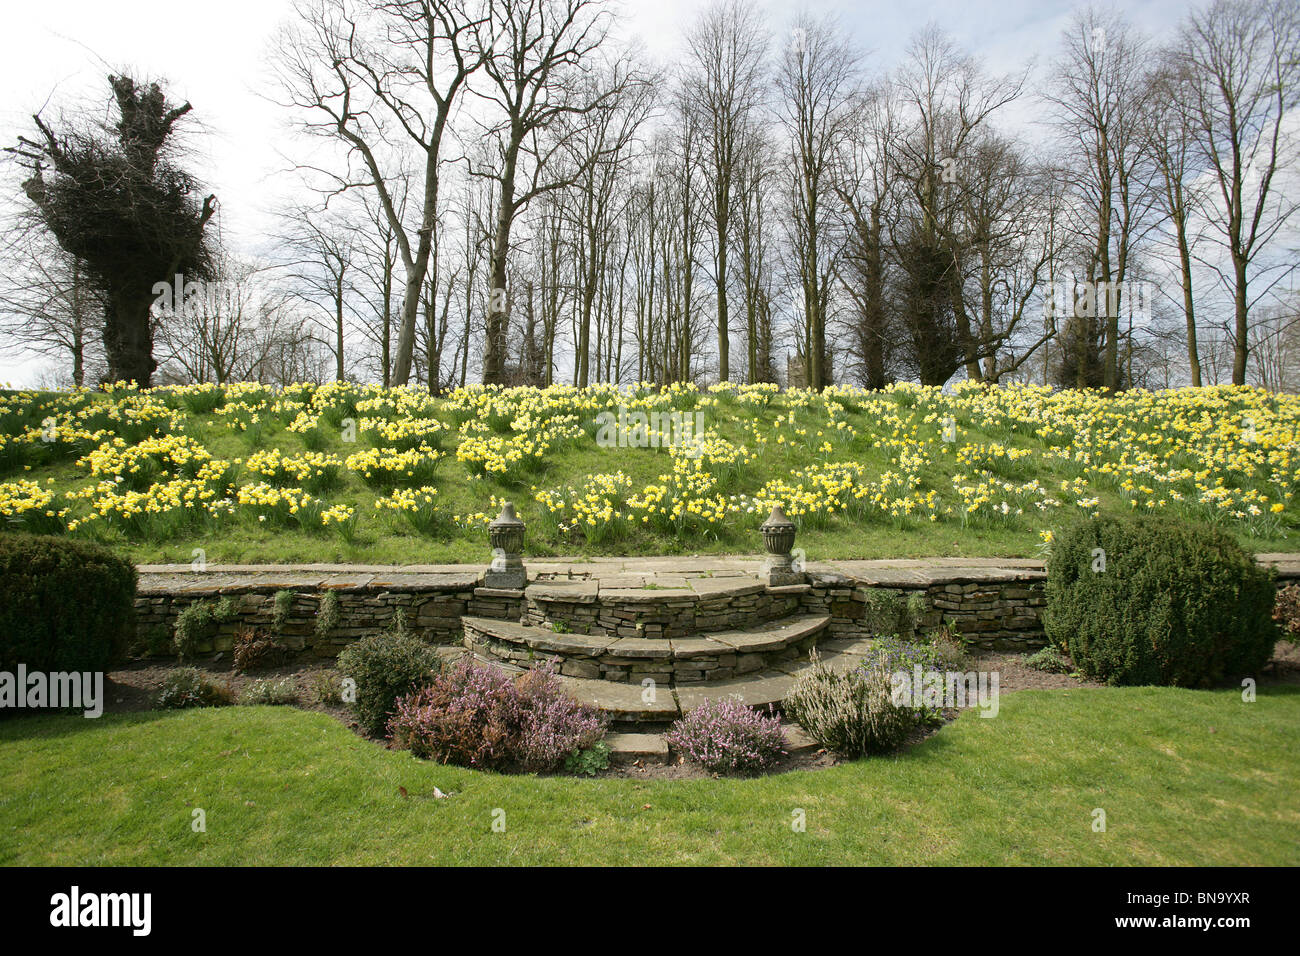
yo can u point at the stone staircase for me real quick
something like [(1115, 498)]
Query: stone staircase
[(645, 652)]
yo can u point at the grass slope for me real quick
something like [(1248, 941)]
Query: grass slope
[(1185, 778), (1202, 454)]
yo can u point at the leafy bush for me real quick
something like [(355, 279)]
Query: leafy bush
[(385, 668), (479, 717), (589, 761), (327, 613), (66, 606), (282, 608), (254, 649), (271, 691), (1286, 612), (191, 627), (1050, 660), (852, 711), (1147, 600), (190, 687), (725, 736)]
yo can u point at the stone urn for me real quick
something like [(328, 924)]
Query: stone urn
[(506, 536), (778, 538)]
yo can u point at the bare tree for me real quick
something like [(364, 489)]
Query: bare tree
[(378, 71), (1239, 66), (541, 82), (816, 80), (723, 84)]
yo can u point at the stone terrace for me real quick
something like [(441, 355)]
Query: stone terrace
[(688, 628)]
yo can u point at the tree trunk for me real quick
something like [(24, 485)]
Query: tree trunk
[(128, 338)]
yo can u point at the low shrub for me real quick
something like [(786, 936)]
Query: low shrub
[(852, 711), (478, 717), (1286, 613), (896, 655), (67, 605), (385, 668), (1147, 600), (1049, 660), (326, 687), (190, 687), (192, 625), (725, 736), (272, 691), (589, 761), (254, 649)]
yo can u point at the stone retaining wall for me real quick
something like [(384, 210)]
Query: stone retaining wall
[(435, 615), (991, 608)]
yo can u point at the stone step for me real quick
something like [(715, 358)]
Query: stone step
[(655, 702), (717, 656)]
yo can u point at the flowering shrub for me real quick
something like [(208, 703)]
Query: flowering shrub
[(478, 717), (272, 692), (896, 655), (851, 711), (725, 736)]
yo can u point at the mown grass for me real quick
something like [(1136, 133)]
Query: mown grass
[(1184, 777)]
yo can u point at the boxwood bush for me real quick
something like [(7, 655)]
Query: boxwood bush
[(385, 667), (67, 606), (1148, 600)]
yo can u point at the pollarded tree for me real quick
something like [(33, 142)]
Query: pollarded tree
[(117, 201)]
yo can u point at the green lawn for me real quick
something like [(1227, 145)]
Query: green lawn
[(1185, 777)]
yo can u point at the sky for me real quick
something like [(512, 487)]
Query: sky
[(214, 55)]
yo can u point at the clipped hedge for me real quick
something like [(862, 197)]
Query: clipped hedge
[(67, 605), (1148, 600)]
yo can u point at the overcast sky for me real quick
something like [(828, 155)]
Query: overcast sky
[(214, 53)]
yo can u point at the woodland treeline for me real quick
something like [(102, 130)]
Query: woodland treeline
[(511, 191)]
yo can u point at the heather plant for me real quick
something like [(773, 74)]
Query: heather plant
[(386, 667), (478, 717), (190, 687), (851, 711), (725, 736)]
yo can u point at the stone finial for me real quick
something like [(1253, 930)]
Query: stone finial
[(778, 537), (506, 536)]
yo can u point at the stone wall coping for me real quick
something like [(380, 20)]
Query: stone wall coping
[(621, 578)]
